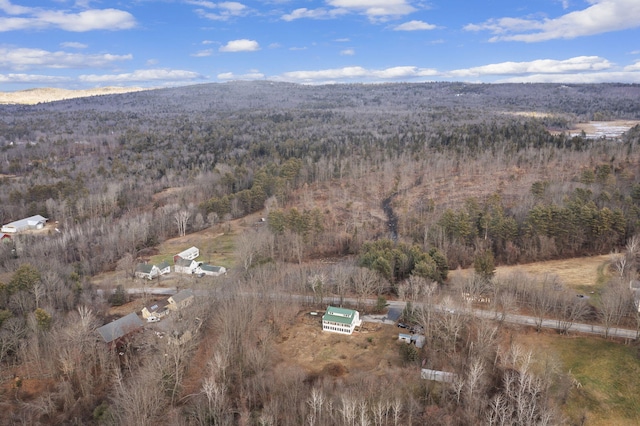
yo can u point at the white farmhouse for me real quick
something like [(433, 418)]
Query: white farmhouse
[(340, 320), (189, 254), (145, 270), (211, 270), (164, 268), (186, 266)]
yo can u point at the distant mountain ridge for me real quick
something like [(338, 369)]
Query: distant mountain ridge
[(288, 102), (49, 94)]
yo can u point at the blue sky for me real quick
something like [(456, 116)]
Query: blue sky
[(157, 43)]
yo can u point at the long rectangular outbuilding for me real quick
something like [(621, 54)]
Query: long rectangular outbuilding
[(33, 222)]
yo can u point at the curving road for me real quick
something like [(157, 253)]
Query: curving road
[(396, 307)]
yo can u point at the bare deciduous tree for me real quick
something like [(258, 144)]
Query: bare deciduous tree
[(182, 219), (127, 264), (138, 400), (613, 304), (365, 282), (544, 300), (570, 309)]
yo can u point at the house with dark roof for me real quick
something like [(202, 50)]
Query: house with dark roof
[(211, 270), (163, 268), (156, 309), (121, 327), (181, 300), (340, 320), (146, 270), (186, 266)]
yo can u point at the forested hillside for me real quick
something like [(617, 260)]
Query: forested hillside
[(396, 183)]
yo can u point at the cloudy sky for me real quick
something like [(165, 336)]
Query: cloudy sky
[(153, 43)]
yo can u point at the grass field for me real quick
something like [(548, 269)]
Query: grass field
[(607, 372), (580, 273), (215, 249)]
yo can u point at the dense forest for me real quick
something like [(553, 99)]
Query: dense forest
[(398, 183)]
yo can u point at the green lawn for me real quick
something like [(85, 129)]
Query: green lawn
[(608, 373), (218, 250)]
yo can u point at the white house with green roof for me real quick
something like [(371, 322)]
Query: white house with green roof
[(340, 320)]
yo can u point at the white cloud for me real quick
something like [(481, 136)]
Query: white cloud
[(232, 6), (580, 69), (32, 79), (207, 4), (202, 53), (74, 45), (376, 10), (242, 45), (89, 20), (601, 17), (414, 26), (355, 73), (253, 75), (577, 78), (634, 67), (142, 76), (27, 18), (540, 66), (222, 11), (319, 13), (347, 52), (11, 9), (25, 58)]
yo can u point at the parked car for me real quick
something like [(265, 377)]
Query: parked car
[(153, 319), (402, 325)]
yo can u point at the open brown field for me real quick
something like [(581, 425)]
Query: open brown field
[(373, 349), (574, 272), (578, 273), (48, 94)]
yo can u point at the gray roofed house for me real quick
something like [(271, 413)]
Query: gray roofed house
[(186, 266), (215, 271), (146, 270), (120, 327), (181, 299), (33, 222), (157, 309), (164, 267)]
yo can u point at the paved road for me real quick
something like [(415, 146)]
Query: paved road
[(395, 308)]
